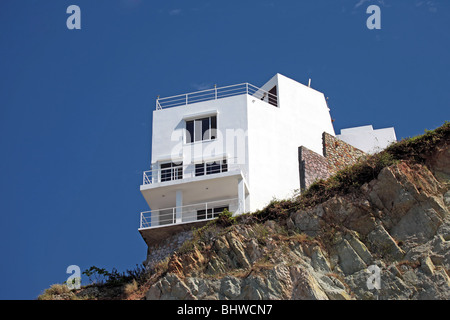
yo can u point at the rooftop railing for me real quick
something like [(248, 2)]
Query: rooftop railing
[(214, 94)]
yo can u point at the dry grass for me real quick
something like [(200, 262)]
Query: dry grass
[(54, 291), (59, 292), (130, 288)]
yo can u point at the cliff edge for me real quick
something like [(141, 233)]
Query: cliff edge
[(377, 230)]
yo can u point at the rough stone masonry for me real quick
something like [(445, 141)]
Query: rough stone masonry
[(337, 155)]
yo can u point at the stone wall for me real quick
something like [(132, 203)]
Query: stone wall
[(162, 250), (337, 155), (312, 166)]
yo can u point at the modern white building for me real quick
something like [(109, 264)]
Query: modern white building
[(233, 148)]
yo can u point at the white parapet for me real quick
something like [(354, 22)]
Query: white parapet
[(366, 139)]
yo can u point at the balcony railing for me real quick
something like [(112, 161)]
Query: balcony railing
[(188, 213), (187, 171), (216, 93)]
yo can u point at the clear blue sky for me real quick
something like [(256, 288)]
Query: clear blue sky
[(76, 105)]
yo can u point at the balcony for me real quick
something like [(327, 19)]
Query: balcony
[(194, 183), (188, 172), (157, 225), (218, 93), (187, 213)]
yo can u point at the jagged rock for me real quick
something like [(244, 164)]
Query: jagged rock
[(361, 250), (381, 242), (308, 221), (203, 289), (427, 266), (349, 260), (440, 164), (333, 288), (169, 287), (318, 260), (305, 286), (238, 251), (230, 287)]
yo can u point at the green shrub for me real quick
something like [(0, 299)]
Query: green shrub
[(102, 276), (226, 218)]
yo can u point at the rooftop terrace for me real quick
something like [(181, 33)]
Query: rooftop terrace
[(217, 93)]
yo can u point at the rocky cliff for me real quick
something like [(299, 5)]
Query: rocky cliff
[(377, 230), (396, 225)]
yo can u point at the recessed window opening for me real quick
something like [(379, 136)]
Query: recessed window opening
[(210, 213), (201, 129), (171, 171), (211, 167)]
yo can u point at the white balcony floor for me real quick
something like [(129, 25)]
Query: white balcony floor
[(195, 189)]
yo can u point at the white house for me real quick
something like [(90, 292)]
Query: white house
[(233, 148)]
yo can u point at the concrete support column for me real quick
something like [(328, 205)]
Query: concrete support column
[(241, 196), (179, 204)]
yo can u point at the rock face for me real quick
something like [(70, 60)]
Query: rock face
[(398, 224)]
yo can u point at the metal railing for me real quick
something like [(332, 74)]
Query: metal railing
[(216, 93), (188, 213), (188, 171)]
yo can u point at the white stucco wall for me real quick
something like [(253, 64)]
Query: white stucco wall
[(275, 135), (169, 131), (367, 139)]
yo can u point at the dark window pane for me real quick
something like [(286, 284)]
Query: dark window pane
[(209, 214), (212, 167), (201, 214), (178, 173), (273, 100), (200, 169), (166, 175), (166, 171), (189, 131), (218, 210), (224, 165), (205, 129), (171, 171), (213, 127)]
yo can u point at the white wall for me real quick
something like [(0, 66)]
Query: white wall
[(169, 131), (367, 139), (275, 135), (168, 144)]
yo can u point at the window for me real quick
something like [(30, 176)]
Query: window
[(210, 213), (171, 171), (211, 167), (201, 129)]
